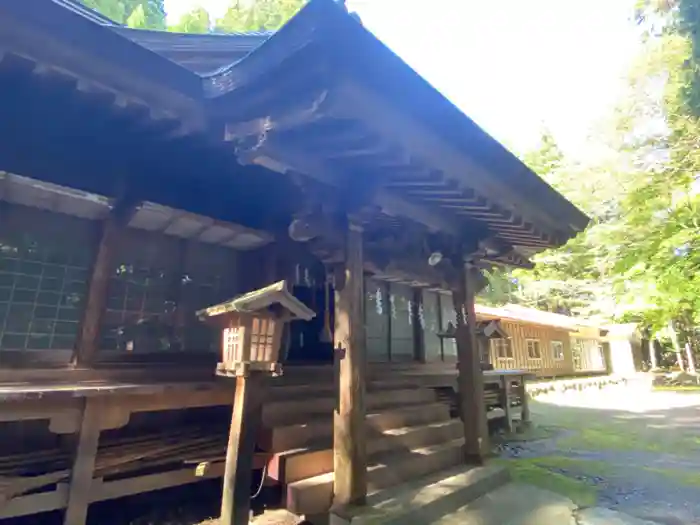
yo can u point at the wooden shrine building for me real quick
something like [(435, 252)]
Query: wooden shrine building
[(145, 176)]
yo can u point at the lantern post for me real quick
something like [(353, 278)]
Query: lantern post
[(251, 331)]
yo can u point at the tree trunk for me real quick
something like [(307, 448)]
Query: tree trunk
[(652, 353), (689, 357), (676, 345)]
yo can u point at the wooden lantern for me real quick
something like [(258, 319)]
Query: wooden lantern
[(251, 329)]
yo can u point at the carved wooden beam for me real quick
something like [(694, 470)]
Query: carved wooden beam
[(391, 204), (310, 108)]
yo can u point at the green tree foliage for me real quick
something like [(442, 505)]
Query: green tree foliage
[(137, 18), (146, 14), (195, 21), (639, 259), (260, 15), (240, 17)]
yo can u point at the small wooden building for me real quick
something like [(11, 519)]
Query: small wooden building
[(145, 176), (545, 343)]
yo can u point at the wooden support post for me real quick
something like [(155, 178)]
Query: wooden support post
[(245, 422), (84, 463), (89, 334), (505, 401), (471, 377), (349, 445), (524, 405)]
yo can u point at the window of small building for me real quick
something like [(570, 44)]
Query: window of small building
[(44, 265), (577, 353), (502, 348), (533, 349), (557, 350)]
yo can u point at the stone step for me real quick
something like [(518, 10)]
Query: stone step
[(317, 458), (314, 495), (418, 500), (277, 413), (300, 435)]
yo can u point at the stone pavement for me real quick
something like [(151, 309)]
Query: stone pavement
[(517, 504)]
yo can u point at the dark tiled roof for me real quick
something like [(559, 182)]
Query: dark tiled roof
[(203, 53)]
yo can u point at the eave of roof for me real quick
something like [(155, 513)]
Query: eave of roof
[(90, 36), (522, 314), (323, 29)]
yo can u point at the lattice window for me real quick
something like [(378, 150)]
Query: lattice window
[(533, 349), (142, 295), (262, 339), (44, 266), (557, 350)]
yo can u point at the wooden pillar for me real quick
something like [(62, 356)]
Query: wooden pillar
[(524, 404), (245, 422), (89, 334), (84, 463), (470, 378), (349, 446), (505, 401)]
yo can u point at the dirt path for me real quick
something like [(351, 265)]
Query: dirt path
[(633, 451)]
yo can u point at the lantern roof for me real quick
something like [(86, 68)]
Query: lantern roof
[(261, 300)]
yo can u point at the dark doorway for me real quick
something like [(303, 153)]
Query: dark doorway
[(306, 338)]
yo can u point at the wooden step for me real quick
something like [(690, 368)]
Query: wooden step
[(314, 495), (278, 413), (296, 391), (317, 458), (300, 435)]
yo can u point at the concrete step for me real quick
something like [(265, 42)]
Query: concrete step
[(317, 458), (304, 434), (314, 495), (417, 501), (277, 413), (511, 504)]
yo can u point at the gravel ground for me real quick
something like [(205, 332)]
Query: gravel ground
[(639, 451)]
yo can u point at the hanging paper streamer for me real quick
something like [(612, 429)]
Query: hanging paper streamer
[(379, 303), (392, 302), (421, 316), (410, 312)]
